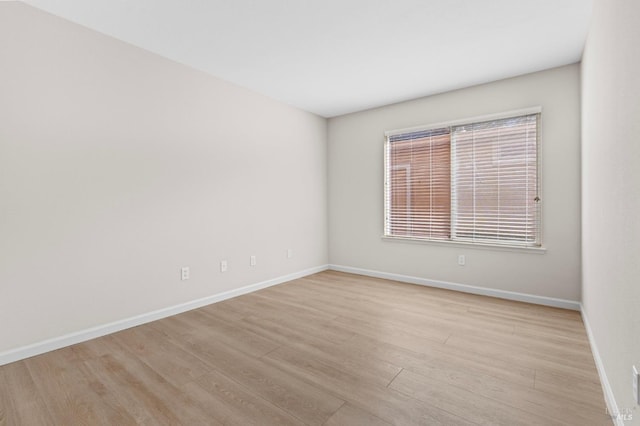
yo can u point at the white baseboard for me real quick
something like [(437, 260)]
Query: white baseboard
[(502, 294), (52, 344), (609, 398)]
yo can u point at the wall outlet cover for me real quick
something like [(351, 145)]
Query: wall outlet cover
[(184, 273)]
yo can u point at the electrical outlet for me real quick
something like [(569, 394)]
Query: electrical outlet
[(461, 260), (635, 379), (289, 253), (252, 261), (223, 266), (184, 273)]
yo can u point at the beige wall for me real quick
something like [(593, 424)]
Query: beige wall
[(117, 167), (356, 189), (611, 191)]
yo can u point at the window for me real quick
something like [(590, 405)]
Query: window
[(471, 182)]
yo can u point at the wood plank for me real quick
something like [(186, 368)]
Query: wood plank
[(568, 387), (441, 361), (21, 402), (152, 347), (579, 369), (466, 404), (144, 394), (332, 348), (230, 403), (391, 406), (349, 415), (307, 403), (73, 395)]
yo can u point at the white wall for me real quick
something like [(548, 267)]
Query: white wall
[(356, 189), (611, 191), (117, 167)]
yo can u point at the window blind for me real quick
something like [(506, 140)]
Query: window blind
[(494, 180), (475, 182), (419, 188)]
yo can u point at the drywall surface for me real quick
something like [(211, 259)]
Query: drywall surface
[(118, 167), (356, 178), (611, 193)]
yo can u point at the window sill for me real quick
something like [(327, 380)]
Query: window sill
[(483, 246)]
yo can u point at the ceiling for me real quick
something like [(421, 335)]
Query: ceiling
[(333, 57)]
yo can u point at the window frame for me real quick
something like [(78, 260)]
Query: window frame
[(475, 244)]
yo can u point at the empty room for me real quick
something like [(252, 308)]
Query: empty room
[(300, 212)]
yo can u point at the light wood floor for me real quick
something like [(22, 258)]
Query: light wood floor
[(329, 349)]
